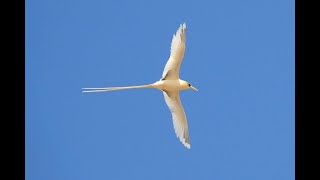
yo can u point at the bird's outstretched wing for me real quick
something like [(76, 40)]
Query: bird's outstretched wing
[(179, 118), (178, 46)]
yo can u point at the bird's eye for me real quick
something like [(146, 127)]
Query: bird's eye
[(189, 84)]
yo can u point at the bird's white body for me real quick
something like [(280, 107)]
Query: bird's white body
[(170, 84)]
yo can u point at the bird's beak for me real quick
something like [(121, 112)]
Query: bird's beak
[(194, 88)]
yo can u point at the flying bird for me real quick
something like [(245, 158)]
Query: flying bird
[(170, 84)]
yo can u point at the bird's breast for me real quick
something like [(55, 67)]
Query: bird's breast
[(171, 85)]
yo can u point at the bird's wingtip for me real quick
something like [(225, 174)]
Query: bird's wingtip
[(188, 146), (183, 26)]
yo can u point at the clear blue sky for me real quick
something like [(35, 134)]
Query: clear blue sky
[(240, 55)]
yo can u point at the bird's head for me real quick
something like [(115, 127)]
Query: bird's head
[(191, 87)]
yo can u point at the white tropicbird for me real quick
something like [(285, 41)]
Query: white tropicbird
[(170, 84)]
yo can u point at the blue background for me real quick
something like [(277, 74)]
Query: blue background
[(240, 55)]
